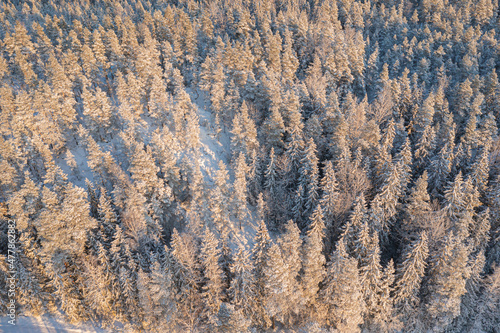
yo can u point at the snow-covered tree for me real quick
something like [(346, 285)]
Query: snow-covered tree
[(240, 190), (448, 274), (342, 292), (409, 275), (313, 264), (212, 289)]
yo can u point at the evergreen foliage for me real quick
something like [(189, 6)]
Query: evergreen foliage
[(243, 166)]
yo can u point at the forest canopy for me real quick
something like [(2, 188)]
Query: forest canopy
[(252, 166)]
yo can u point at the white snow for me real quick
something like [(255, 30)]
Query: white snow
[(45, 324), (213, 149)]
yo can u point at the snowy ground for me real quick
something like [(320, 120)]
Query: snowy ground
[(213, 149), (44, 324)]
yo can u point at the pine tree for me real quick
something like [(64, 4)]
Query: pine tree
[(386, 202), (491, 94), (487, 310), (440, 167), (315, 82), (313, 261), (461, 200), (376, 286), (31, 280), (242, 291), (289, 61), (212, 291), (100, 283), (483, 11), (187, 277), (162, 295), (97, 111), (244, 139), (240, 189), (160, 102), (425, 146), (290, 244), (446, 286), (212, 80), (278, 287), (144, 297), (480, 231), (231, 103), (409, 277), (418, 208), (272, 44), (342, 292), (480, 171), (273, 129), (220, 198), (165, 149), (144, 170), (309, 175), (262, 243), (295, 143), (356, 223), (471, 301), (329, 202), (271, 185)]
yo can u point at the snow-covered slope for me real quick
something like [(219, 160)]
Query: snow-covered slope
[(214, 148), (45, 324)]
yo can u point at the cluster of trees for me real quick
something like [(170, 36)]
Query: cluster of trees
[(362, 190)]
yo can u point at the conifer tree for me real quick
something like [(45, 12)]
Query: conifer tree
[(262, 243), (289, 61), (295, 143), (330, 193), (342, 292), (480, 171), (376, 286), (144, 170), (409, 275), (100, 283), (278, 289), (244, 139), (169, 170), (356, 222), (309, 175), (273, 129), (446, 286), (219, 198), (313, 261), (212, 291), (440, 167), (290, 244), (242, 290), (187, 277), (240, 189)]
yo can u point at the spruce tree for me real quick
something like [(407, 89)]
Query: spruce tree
[(240, 190), (262, 243), (213, 278), (446, 285), (330, 193), (313, 264), (409, 275), (342, 292)]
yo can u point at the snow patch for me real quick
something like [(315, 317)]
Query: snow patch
[(45, 324)]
